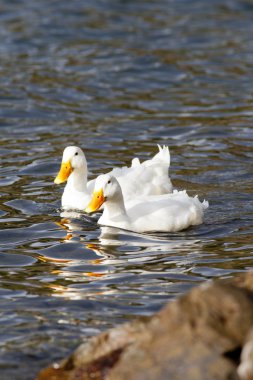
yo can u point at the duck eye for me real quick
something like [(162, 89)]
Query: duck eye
[(109, 181), (76, 154)]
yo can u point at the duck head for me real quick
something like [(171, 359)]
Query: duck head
[(73, 159), (106, 188)]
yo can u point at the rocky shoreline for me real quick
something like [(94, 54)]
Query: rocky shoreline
[(204, 334)]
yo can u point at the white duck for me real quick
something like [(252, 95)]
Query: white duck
[(76, 194), (149, 177), (164, 213)]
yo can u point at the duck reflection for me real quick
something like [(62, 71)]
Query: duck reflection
[(110, 237), (103, 256)]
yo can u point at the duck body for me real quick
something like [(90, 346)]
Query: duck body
[(163, 213), (149, 177)]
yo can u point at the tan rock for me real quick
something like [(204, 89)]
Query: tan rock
[(198, 336), (245, 369)]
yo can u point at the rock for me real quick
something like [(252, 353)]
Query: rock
[(245, 369), (198, 336)]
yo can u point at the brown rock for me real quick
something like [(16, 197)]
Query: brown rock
[(245, 369), (198, 336)]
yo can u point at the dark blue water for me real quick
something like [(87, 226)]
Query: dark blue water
[(116, 78)]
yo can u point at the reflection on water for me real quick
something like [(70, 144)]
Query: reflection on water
[(172, 257), (116, 78)]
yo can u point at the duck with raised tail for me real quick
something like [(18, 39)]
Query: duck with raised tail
[(162, 213), (146, 178)]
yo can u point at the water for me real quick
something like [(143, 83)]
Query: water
[(116, 78)]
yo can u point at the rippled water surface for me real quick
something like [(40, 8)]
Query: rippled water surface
[(116, 78)]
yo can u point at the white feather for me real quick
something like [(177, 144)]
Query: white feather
[(147, 178), (163, 213)]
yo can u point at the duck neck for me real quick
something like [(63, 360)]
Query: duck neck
[(78, 179), (115, 207)]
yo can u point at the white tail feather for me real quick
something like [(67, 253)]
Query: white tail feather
[(163, 155), (135, 162), (205, 204)]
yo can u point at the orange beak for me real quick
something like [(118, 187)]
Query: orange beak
[(64, 173), (96, 202)]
